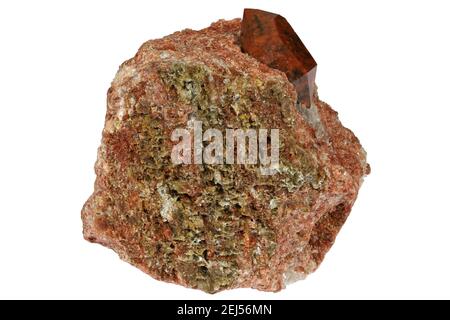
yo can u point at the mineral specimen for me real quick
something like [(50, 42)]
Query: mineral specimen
[(220, 226)]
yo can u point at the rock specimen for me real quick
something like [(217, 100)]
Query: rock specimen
[(219, 226)]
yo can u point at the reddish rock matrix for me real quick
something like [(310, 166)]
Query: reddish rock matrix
[(216, 227)]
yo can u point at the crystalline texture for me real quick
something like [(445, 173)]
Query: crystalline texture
[(217, 227)]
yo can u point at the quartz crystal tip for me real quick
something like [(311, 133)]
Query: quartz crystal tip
[(269, 38)]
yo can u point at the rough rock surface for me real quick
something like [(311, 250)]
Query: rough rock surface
[(216, 227)]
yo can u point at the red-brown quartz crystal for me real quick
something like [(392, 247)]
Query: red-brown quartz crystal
[(270, 39)]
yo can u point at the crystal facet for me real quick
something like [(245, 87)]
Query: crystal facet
[(269, 38)]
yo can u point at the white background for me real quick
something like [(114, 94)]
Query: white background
[(384, 65)]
